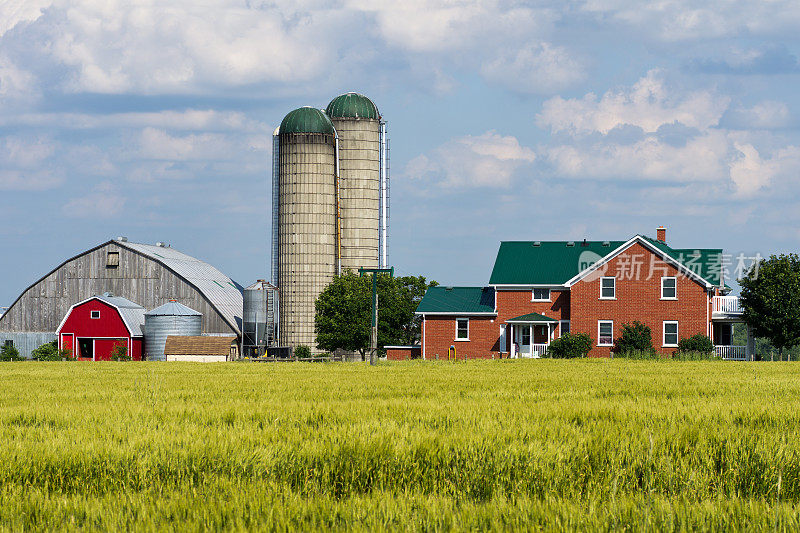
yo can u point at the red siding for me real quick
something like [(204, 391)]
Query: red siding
[(108, 330), (639, 299), (403, 353), (440, 335)]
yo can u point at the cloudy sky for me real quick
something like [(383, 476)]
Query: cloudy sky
[(508, 120)]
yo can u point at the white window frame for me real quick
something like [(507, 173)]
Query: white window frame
[(599, 323), (662, 288), (94, 315), (535, 299), (561, 327), (664, 334), (601, 288), (457, 338)]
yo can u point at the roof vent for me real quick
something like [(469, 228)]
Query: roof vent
[(584, 243), (606, 243), (448, 288), (571, 243), (122, 239), (108, 294), (161, 244), (537, 243)]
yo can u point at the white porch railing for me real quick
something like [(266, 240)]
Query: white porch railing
[(533, 351), (731, 353), (538, 350), (728, 305)]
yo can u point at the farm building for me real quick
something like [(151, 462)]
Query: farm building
[(538, 290), (93, 328), (200, 349), (148, 275)]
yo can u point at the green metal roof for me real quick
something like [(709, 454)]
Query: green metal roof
[(556, 262), (532, 317), (307, 120), (549, 263), (352, 105), (464, 300)]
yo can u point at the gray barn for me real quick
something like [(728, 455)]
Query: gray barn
[(149, 275)]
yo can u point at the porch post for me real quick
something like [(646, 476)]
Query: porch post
[(751, 344), (511, 346)]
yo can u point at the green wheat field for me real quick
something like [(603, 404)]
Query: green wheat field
[(504, 445)]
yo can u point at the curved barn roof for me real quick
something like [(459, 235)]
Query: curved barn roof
[(224, 294)]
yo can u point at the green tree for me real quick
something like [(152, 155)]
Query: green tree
[(49, 352), (9, 353), (343, 312), (635, 337), (771, 300)]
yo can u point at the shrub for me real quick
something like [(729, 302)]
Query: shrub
[(570, 346), (120, 353), (635, 338), (696, 343), (302, 352), (49, 352), (9, 353)]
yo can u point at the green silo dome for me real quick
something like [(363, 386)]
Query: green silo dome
[(352, 105), (307, 120)]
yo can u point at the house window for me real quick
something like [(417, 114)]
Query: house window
[(462, 329), (608, 288), (605, 333), (670, 333), (669, 289), (541, 295), (95, 314), (112, 260), (563, 327)]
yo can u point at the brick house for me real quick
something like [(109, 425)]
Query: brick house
[(540, 289)]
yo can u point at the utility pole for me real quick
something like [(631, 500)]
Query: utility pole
[(373, 336)]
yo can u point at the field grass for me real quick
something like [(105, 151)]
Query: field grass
[(548, 444)]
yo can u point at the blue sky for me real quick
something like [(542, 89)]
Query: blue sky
[(591, 119)]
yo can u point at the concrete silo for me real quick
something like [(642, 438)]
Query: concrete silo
[(306, 248), (363, 187)]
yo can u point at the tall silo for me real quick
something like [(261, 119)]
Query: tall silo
[(258, 322), (172, 318), (306, 220), (362, 187)]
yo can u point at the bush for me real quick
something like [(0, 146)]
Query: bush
[(302, 352), (696, 343), (570, 346), (120, 353), (9, 353), (49, 352), (636, 339)]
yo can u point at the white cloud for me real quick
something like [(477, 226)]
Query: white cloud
[(538, 68), (158, 144), (648, 104), (13, 12), (766, 115), (104, 202), (488, 160)]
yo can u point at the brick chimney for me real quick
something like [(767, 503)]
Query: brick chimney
[(661, 234)]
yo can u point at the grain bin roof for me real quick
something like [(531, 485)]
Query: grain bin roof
[(307, 120), (352, 105), (222, 293)]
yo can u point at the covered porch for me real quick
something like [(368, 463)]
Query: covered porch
[(726, 314), (530, 335)]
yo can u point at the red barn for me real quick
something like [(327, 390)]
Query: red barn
[(92, 328)]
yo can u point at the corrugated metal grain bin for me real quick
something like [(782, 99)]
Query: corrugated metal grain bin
[(171, 318)]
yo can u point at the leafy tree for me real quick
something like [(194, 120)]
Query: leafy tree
[(344, 311), (49, 352), (9, 353), (569, 346), (771, 300), (635, 337), (120, 353), (699, 343), (302, 352)]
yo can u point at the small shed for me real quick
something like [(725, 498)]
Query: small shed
[(401, 353), (203, 349), (93, 328)]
